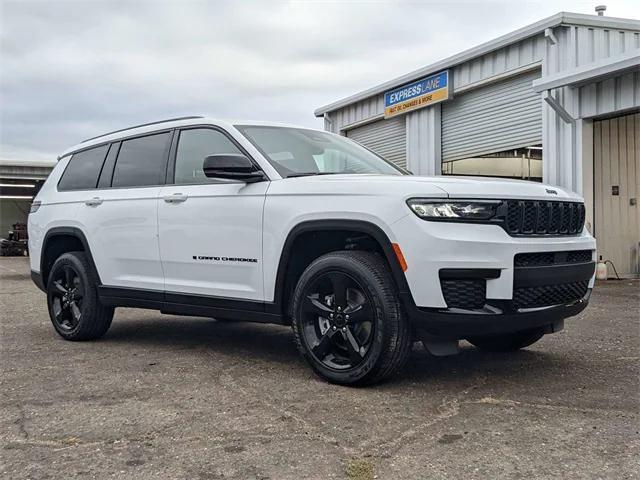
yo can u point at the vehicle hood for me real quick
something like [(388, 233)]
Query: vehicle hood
[(415, 186), (468, 187)]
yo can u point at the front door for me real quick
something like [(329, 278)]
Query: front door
[(210, 230), (616, 154)]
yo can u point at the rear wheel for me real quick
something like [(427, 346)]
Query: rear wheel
[(347, 319), (508, 342), (72, 298)]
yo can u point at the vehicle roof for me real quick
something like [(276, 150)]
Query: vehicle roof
[(161, 125)]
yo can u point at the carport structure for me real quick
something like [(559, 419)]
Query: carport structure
[(19, 183)]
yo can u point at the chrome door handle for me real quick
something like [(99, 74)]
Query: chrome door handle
[(175, 198), (93, 202)]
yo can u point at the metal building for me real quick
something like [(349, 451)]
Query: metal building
[(19, 183), (557, 101)]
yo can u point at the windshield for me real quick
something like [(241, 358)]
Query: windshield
[(295, 152)]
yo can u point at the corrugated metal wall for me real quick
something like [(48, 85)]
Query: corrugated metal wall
[(387, 138), (423, 153), (424, 140), (579, 46), (526, 53), (502, 116), (514, 57)]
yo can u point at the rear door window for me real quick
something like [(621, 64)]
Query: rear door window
[(142, 161), (83, 170), (107, 169)]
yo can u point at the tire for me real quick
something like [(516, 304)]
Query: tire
[(508, 342), (72, 299), (358, 337)]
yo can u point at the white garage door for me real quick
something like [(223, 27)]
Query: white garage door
[(388, 138), (502, 116)]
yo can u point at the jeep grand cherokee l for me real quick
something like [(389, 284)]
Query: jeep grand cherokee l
[(268, 223)]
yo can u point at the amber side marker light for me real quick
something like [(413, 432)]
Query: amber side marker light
[(400, 257)]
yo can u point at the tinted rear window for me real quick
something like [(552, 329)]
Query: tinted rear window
[(142, 161), (83, 169)]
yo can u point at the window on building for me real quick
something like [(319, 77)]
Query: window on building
[(520, 163), (142, 161), (83, 169), (193, 147)]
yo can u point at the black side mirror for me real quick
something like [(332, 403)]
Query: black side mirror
[(232, 166)]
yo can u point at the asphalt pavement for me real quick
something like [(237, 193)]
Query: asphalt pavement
[(179, 397)]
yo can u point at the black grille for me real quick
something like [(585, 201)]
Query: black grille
[(579, 256), (536, 259), (467, 294), (530, 217), (548, 295)]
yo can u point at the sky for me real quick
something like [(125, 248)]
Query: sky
[(70, 70)]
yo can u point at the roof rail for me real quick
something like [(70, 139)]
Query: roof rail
[(191, 117)]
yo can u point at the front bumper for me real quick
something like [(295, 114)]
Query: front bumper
[(437, 251), (455, 323)]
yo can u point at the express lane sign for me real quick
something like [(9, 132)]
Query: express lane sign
[(419, 94)]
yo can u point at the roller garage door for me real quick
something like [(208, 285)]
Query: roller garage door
[(498, 117), (388, 138)]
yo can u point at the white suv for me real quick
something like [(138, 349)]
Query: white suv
[(269, 223)]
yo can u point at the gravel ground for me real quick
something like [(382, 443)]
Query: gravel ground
[(178, 397)]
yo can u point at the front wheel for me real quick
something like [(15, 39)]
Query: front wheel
[(72, 298), (347, 320), (509, 342)]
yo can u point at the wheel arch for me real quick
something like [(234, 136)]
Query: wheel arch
[(60, 240), (283, 283)]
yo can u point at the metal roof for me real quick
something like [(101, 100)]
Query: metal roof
[(562, 18), (25, 171), (627, 62)]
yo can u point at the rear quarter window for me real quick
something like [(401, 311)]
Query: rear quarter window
[(83, 169)]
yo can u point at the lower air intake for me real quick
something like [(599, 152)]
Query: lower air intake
[(465, 294), (548, 295)]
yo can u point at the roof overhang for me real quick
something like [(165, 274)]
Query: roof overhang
[(592, 72), (24, 172), (562, 18)]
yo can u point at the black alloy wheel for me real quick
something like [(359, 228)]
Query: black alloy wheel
[(66, 298), (338, 322), (72, 297), (347, 320)]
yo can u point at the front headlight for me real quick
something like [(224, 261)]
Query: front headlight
[(454, 209)]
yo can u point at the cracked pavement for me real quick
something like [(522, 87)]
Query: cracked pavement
[(179, 397)]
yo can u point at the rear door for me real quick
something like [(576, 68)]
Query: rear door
[(120, 216), (210, 229)]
